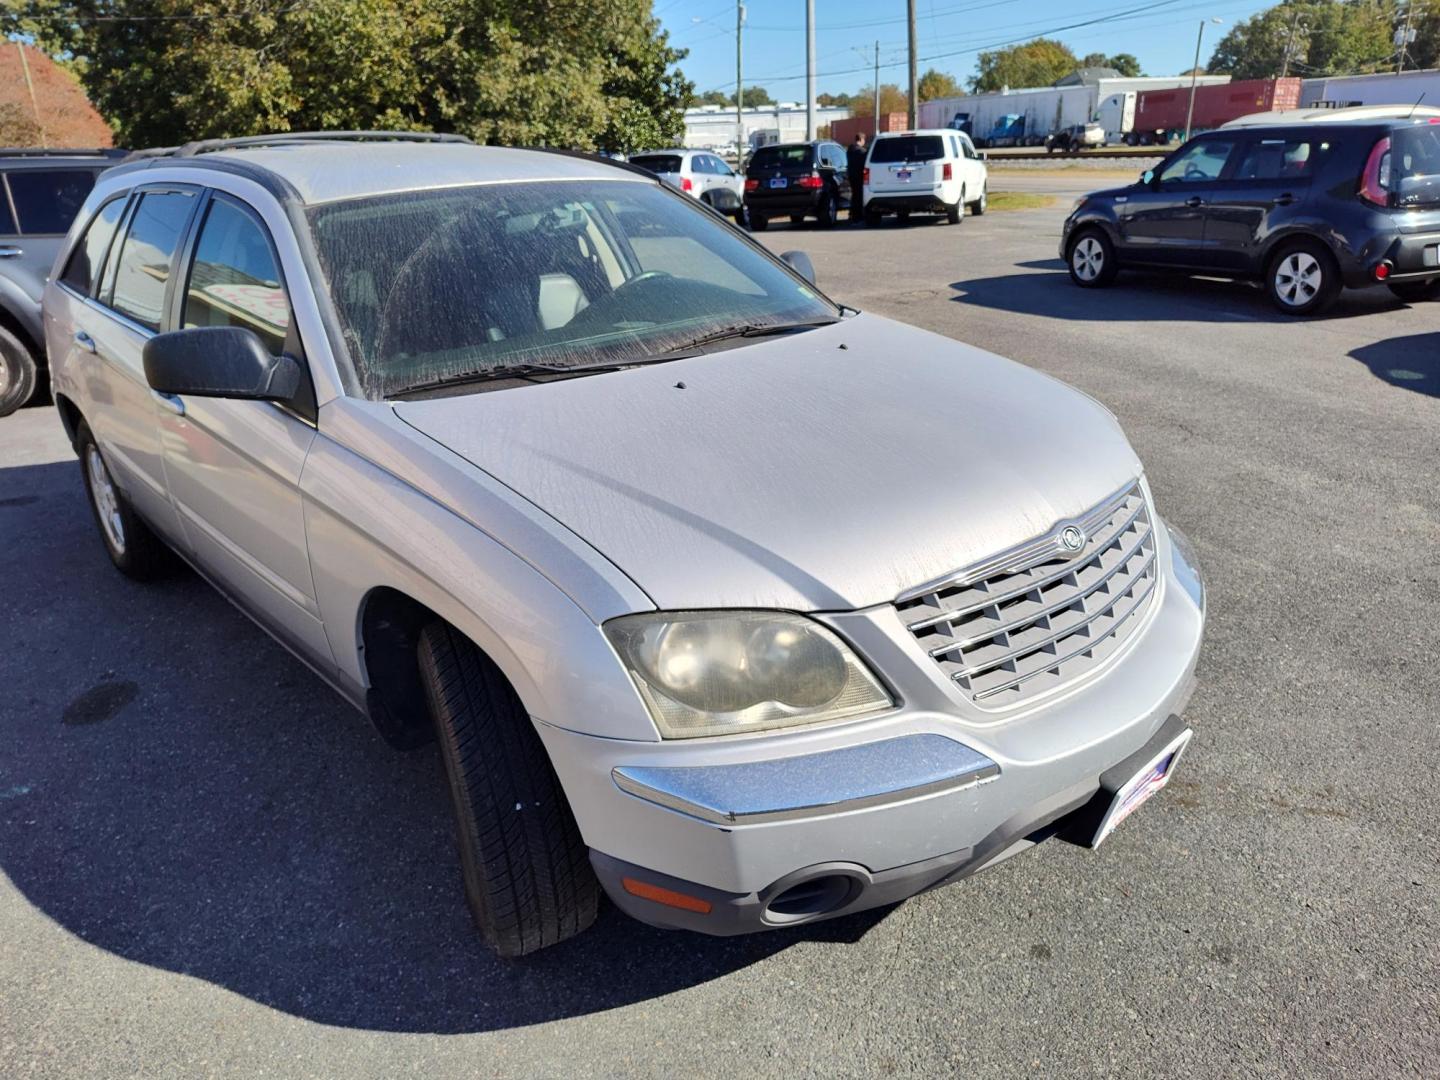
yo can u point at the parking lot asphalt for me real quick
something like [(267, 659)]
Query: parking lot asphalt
[(209, 864)]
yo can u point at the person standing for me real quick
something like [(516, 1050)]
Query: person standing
[(855, 166)]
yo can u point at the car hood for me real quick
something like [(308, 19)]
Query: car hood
[(826, 470)]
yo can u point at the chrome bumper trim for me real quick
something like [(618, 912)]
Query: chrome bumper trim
[(830, 782)]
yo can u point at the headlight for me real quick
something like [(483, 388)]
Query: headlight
[(727, 672)]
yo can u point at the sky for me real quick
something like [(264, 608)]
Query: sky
[(950, 34)]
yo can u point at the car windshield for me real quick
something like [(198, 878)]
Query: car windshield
[(908, 148), (777, 157), (1414, 166), (657, 163), (440, 286)]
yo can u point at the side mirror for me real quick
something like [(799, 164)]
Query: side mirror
[(1147, 177), (801, 264), (219, 362)]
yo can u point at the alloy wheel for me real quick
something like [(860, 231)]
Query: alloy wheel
[(1298, 278), (1088, 259), (107, 501)]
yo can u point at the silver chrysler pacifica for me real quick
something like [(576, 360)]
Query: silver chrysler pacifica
[(738, 605)]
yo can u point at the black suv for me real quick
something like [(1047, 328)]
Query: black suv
[(40, 193), (797, 180), (1351, 199)]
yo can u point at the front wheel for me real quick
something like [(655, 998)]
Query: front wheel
[(17, 373), (1416, 292), (1302, 279), (526, 870), (1091, 260)]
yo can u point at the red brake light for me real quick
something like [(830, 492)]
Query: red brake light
[(866, 178), (945, 173), (752, 185), (1372, 180), (1382, 271), (685, 184), (812, 181)]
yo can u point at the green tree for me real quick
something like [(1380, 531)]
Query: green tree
[(1323, 37), (892, 100), (832, 99), (934, 85), (714, 97), (595, 75), (1125, 63), (1036, 63)]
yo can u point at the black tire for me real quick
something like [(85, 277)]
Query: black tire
[(980, 205), (872, 219), (797, 219), (526, 870), (1090, 259), (1416, 292), (134, 549), (1302, 278), (955, 215), (17, 373), (758, 222), (825, 213)]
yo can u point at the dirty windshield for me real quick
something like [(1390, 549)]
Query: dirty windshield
[(436, 287)]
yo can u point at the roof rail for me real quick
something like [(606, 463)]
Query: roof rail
[(62, 151), (295, 138)]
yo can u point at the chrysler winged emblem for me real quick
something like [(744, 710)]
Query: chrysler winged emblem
[(1072, 538)]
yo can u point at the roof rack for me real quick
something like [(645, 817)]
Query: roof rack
[(63, 151), (296, 138)]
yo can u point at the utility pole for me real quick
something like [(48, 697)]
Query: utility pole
[(1290, 52), (914, 79), (809, 70), (739, 86), (1404, 35), (1194, 76), (35, 105), (876, 117)]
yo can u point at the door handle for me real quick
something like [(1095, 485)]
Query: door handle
[(10, 251), (1194, 201), (1283, 200), (85, 341), (169, 402)]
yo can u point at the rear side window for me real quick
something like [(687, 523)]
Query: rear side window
[(47, 200), (908, 148), (657, 163), (777, 157), (147, 255), (234, 280), (1277, 159), (83, 269)]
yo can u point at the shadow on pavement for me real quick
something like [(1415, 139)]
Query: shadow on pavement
[(177, 789), (1411, 362), (1158, 297)]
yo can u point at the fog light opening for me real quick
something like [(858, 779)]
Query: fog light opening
[(811, 898)]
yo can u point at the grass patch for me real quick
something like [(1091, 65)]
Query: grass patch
[(1018, 200)]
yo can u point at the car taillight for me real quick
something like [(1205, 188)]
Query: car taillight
[(866, 178), (752, 185), (945, 173), (1374, 181), (812, 181), (685, 184)]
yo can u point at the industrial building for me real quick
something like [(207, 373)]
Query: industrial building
[(714, 125)]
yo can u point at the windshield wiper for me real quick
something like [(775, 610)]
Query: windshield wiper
[(744, 330), (524, 371)]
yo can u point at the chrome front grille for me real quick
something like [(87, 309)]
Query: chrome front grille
[(1033, 618)]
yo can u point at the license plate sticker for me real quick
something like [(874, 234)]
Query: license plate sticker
[(1145, 783), (779, 181)]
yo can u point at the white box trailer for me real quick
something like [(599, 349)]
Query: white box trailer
[(1049, 109), (1407, 88)]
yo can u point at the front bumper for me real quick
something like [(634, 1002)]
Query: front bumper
[(875, 810)]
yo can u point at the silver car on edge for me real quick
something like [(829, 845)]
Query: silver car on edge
[(741, 606)]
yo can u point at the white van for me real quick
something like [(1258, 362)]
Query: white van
[(924, 172)]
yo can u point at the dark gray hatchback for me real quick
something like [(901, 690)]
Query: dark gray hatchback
[(1307, 208)]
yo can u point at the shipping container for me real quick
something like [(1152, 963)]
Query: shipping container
[(843, 131), (1161, 115), (1409, 88)]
